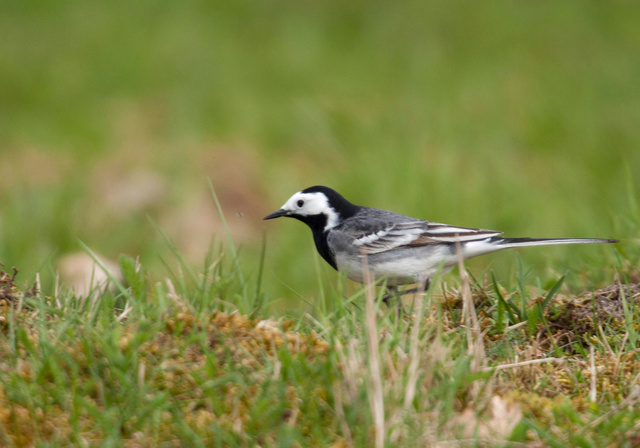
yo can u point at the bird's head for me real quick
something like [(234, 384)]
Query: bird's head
[(319, 207)]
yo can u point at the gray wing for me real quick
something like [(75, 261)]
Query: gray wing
[(388, 231)]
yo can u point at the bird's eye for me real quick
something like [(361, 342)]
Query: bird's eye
[(300, 203)]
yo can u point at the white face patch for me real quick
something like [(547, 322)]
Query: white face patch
[(310, 204)]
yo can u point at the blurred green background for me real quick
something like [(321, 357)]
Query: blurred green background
[(514, 115)]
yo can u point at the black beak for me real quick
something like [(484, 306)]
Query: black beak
[(277, 214)]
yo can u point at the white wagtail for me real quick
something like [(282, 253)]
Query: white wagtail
[(404, 250)]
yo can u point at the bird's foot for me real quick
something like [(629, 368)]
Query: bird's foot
[(393, 292)]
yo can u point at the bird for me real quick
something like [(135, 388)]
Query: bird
[(401, 249)]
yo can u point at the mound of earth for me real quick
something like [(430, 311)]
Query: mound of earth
[(606, 306)]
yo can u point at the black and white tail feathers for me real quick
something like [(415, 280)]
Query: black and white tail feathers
[(496, 243), (518, 242)]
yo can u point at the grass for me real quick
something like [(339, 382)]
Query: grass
[(179, 361)]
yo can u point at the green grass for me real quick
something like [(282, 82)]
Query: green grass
[(176, 361)]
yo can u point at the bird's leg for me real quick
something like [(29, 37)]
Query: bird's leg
[(423, 288), (392, 291)]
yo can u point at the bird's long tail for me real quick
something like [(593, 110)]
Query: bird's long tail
[(505, 243), (496, 243)]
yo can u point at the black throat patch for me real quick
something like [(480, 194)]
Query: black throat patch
[(343, 208), (317, 223)]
